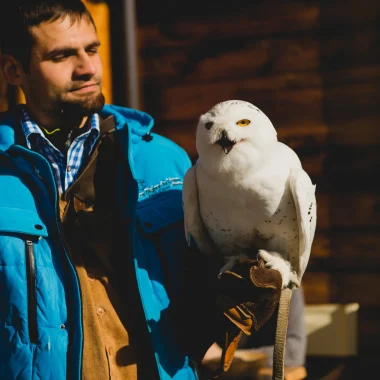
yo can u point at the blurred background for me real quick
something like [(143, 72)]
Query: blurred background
[(313, 67)]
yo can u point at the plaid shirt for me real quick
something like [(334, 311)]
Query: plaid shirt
[(65, 169)]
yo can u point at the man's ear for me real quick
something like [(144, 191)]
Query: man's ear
[(12, 69)]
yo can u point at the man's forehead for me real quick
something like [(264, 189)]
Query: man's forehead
[(66, 31)]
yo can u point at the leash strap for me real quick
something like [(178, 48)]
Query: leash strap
[(281, 329)]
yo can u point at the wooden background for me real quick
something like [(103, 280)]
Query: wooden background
[(314, 68)]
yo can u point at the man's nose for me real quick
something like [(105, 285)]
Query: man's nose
[(85, 66)]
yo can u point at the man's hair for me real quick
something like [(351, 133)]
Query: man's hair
[(19, 16)]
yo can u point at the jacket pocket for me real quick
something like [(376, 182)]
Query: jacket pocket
[(26, 228), (160, 211)]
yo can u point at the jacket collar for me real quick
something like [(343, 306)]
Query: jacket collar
[(139, 123)]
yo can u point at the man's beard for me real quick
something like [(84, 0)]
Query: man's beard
[(74, 111), (82, 108)]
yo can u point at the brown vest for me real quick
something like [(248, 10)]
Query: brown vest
[(115, 334)]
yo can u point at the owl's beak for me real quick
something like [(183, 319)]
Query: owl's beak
[(226, 143)]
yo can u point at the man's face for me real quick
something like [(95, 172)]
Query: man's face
[(65, 71)]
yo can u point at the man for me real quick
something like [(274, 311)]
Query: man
[(92, 244)]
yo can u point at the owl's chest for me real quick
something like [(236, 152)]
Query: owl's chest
[(239, 219), (238, 200), (230, 206)]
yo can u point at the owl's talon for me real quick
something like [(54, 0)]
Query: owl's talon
[(273, 260)]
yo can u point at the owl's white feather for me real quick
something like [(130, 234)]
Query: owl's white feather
[(247, 194)]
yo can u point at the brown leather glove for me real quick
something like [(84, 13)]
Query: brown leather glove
[(247, 295), (213, 310)]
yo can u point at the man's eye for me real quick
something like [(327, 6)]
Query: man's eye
[(93, 51), (243, 122), (59, 58)]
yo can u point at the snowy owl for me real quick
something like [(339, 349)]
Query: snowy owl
[(247, 194)]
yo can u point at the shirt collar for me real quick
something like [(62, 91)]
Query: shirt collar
[(29, 127)]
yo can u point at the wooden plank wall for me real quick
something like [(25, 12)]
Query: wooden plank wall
[(3, 92), (314, 68)]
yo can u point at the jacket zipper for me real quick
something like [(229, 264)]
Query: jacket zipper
[(78, 368), (31, 284)]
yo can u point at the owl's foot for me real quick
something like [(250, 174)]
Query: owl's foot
[(230, 263), (274, 260)]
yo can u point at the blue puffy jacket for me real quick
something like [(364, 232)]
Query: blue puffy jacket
[(39, 287)]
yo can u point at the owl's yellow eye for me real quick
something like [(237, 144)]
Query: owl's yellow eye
[(243, 122)]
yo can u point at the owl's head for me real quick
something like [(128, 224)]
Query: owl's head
[(232, 131)]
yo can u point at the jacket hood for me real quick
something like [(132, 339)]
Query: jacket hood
[(139, 122)]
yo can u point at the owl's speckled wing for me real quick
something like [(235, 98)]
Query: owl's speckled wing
[(303, 192), (194, 226)]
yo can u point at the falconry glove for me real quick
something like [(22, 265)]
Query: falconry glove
[(247, 295)]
